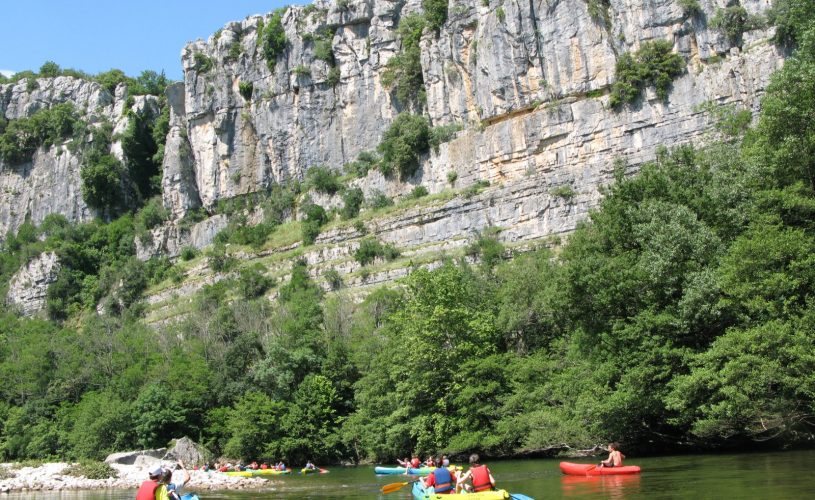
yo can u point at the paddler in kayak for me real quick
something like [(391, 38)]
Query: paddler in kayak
[(480, 476), (442, 480), (615, 458)]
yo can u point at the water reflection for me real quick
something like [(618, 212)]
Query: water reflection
[(612, 486)]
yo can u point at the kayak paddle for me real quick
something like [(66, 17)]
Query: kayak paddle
[(390, 488)]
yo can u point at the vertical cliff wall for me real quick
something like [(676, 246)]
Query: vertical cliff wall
[(489, 67)]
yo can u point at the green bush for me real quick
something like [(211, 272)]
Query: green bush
[(188, 253), (352, 202), (733, 21), (218, 259), (253, 282), (202, 63), (435, 13), (315, 218), (378, 199), (323, 179), (151, 215), (246, 89), (452, 177), (370, 248), (323, 50), (487, 247), (365, 161), (565, 191), (418, 192), (403, 142), (301, 70), (442, 134), (654, 64), (333, 278), (50, 69), (403, 73), (691, 7), (791, 19), (598, 10), (91, 470), (333, 77), (273, 38), (101, 182), (20, 138)]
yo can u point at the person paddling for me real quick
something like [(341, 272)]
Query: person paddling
[(442, 480), (147, 490), (480, 476), (615, 458), (173, 489)]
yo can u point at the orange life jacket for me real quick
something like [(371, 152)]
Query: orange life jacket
[(147, 490), (481, 478)]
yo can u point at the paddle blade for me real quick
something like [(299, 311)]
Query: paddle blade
[(390, 488)]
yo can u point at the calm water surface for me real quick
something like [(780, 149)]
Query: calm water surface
[(743, 476)]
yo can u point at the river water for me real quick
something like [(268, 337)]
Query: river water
[(740, 476)]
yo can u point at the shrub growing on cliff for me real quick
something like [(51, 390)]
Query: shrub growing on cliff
[(791, 19), (405, 140), (20, 138), (370, 248), (435, 13), (352, 202), (246, 89), (101, 182), (732, 22), (323, 179), (315, 217), (403, 74), (273, 38), (654, 64)]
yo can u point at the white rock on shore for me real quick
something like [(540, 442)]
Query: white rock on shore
[(50, 477)]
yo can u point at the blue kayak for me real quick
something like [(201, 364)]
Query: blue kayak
[(401, 470), (189, 496)]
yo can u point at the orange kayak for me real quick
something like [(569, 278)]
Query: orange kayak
[(573, 469)]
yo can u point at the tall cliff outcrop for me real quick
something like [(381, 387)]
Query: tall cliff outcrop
[(529, 82), (50, 182), (249, 126)]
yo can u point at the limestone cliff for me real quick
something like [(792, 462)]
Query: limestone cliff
[(528, 82), (50, 182)]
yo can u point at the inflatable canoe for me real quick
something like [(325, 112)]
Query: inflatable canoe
[(270, 472), (401, 470), (257, 472), (313, 471), (573, 469), (422, 493)]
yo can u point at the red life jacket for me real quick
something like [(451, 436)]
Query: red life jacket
[(443, 480), (481, 478), (415, 463), (147, 490)]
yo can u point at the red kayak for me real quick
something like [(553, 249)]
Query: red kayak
[(593, 470)]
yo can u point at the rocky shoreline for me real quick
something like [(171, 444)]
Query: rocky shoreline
[(50, 477)]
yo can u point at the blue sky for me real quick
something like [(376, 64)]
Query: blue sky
[(131, 35)]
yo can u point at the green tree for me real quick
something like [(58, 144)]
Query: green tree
[(404, 142)]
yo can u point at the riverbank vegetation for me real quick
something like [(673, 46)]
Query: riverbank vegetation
[(678, 317)]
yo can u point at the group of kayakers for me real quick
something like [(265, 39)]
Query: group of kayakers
[(229, 467), (159, 485), (448, 479)]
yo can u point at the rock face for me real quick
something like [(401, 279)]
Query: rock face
[(131, 457), (189, 452), (51, 182), (28, 287), (248, 126)]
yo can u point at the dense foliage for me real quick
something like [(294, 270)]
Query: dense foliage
[(20, 138), (406, 139), (679, 316), (654, 63), (273, 38), (403, 74)]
